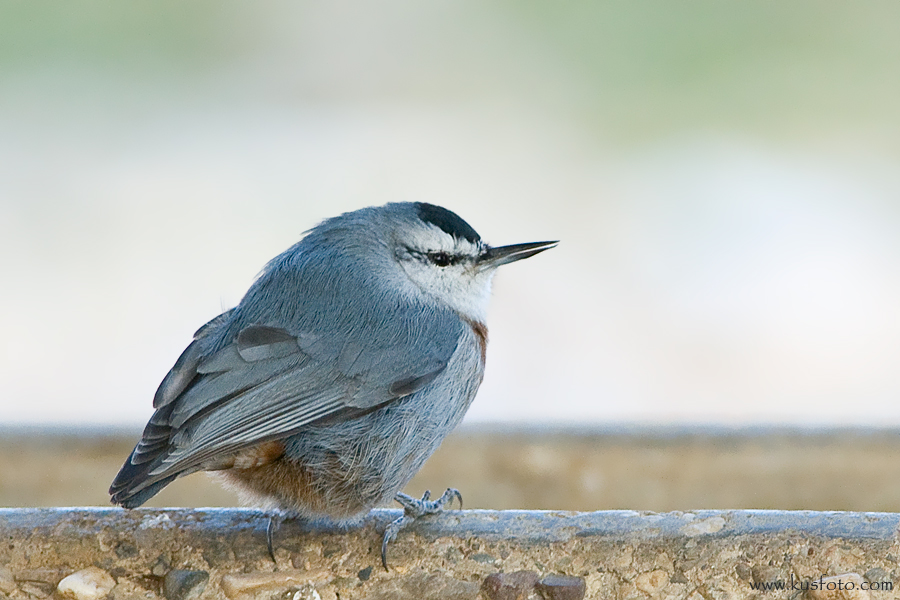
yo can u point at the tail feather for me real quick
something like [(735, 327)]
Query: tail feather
[(135, 499), (127, 489), (134, 485)]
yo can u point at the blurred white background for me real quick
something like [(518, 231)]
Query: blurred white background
[(725, 180)]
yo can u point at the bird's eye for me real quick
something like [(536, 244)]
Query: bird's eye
[(441, 259)]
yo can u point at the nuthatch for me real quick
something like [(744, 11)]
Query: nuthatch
[(342, 369)]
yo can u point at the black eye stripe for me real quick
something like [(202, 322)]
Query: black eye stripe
[(438, 258)]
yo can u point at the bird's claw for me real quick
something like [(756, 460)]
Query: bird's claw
[(414, 508), (390, 534), (271, 528)]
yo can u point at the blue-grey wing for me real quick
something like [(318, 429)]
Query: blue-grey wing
[(242, 382)]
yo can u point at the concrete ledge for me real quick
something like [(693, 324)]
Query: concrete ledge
[(87, 553)]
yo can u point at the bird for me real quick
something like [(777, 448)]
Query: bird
[(349, 359)]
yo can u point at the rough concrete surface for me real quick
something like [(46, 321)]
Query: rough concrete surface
[(221, 553)]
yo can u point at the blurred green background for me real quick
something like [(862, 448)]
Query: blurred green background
[(723, 176), (628, 72)]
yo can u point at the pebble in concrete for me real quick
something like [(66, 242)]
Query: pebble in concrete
[(239, 586), (181, 584), (652, 582), (88, 584), (877, 576), (509, 586), (160, 567), (562, 587), (422, 585), (306, 592), (7, 581)]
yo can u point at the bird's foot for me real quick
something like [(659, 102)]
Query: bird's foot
[(412, 510)]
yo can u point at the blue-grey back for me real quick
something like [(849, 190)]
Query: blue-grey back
[(342, 295)]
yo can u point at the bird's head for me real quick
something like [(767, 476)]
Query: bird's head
[(446, 258)]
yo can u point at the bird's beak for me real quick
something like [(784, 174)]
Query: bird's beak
[(494, 257)]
